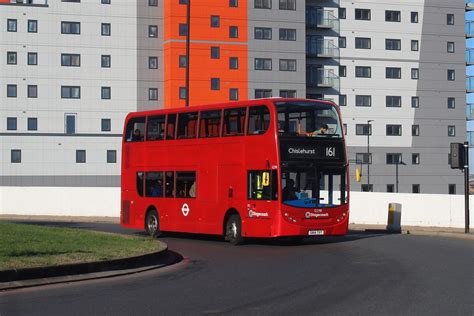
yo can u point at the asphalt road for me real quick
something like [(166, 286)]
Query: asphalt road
[(360, 274)]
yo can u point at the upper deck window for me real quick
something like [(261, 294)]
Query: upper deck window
[(156, 128), (259, 120), (210, 124), (308, 119), (234, 120), (170, 126), (135, 129), (187, 123)]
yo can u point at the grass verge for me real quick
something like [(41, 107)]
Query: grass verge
[(28, 246)]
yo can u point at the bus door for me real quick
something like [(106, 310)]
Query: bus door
[(262, 188)]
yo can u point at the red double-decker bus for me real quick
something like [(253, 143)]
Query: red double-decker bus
[(260, 168)]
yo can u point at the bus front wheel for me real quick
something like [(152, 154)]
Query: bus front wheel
[(152, 223), (233, 230)]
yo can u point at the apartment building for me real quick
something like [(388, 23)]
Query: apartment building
[(73, 69)]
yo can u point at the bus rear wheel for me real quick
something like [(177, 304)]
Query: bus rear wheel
[(233, 230), (152, 223)]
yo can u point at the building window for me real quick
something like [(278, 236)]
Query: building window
[(393, 44), (11, 91), (15, 156), (393, 130), (415, 102), (215, 21), (415, 73), (70, 92), (342, 13), (415, 159), (363, 72), (414, 17), (262, 4), (182, 93), (451, 130), (233, 3), (153, 31), (451, 103), (450, 19), (32, 124), (451, 75), (342, 42), (263, 33), (392, 101), (392, 16), (362, 43), (344, 126), (80, 156), (215, 52), (263, 93), (367, 187), (105, 61), (393, 73), (342, 71), (233, 63), (451, 189), (390, 188), (215, 84), (183, 1), (11, 123), (105, 1), (182, 61), (363, 100), (362, 14), (415, 130), (153, 3), (287, 64), (70, 124), (71, 60), (363, 129), (364, 158), (414, 45), (32, 59), (11, 25), (32, 26), (153, 94), (288, 93), (263, 64), (233, 32), (450, 47), (70, 28), (11, 58), (342, 100), (394, 159), (32, 91), (287, 35), (152, 62), (287, 4), (415, 188), (105, 93), (233, 94), (105, 125), (105, 29), (183, 30), (111, 156)]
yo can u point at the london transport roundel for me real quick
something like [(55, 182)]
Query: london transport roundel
[(185, 209)]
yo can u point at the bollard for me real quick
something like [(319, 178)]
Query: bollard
[(394, 218)]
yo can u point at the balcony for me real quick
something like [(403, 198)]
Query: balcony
[(324, 48), (469, 29), (470, 57), (470, 84), (320, 18), (321, 78), (470, 111)]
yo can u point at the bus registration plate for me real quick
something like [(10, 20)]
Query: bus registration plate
[(315, 232)]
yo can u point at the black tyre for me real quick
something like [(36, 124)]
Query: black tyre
[(152, 223), (233, 230)]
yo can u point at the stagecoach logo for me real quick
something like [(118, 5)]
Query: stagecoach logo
[(304, 151), (316, 215), (257, 214), (185, 209)]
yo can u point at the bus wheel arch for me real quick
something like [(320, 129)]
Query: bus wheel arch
[(233, 227), (152, 222)]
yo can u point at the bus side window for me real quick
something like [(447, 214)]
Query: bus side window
[(187, 124), (259, 120), (135, 129), (169, 184), (234, 120), (154, 184), (156, 128), (140, 180), (210, 124), (186, 184), (170, 126)]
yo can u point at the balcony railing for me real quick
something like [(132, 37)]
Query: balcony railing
[(317, 17), (470, 56), (470, 111), (470, 28), (318, 47), (321, 78), (470, 84)]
